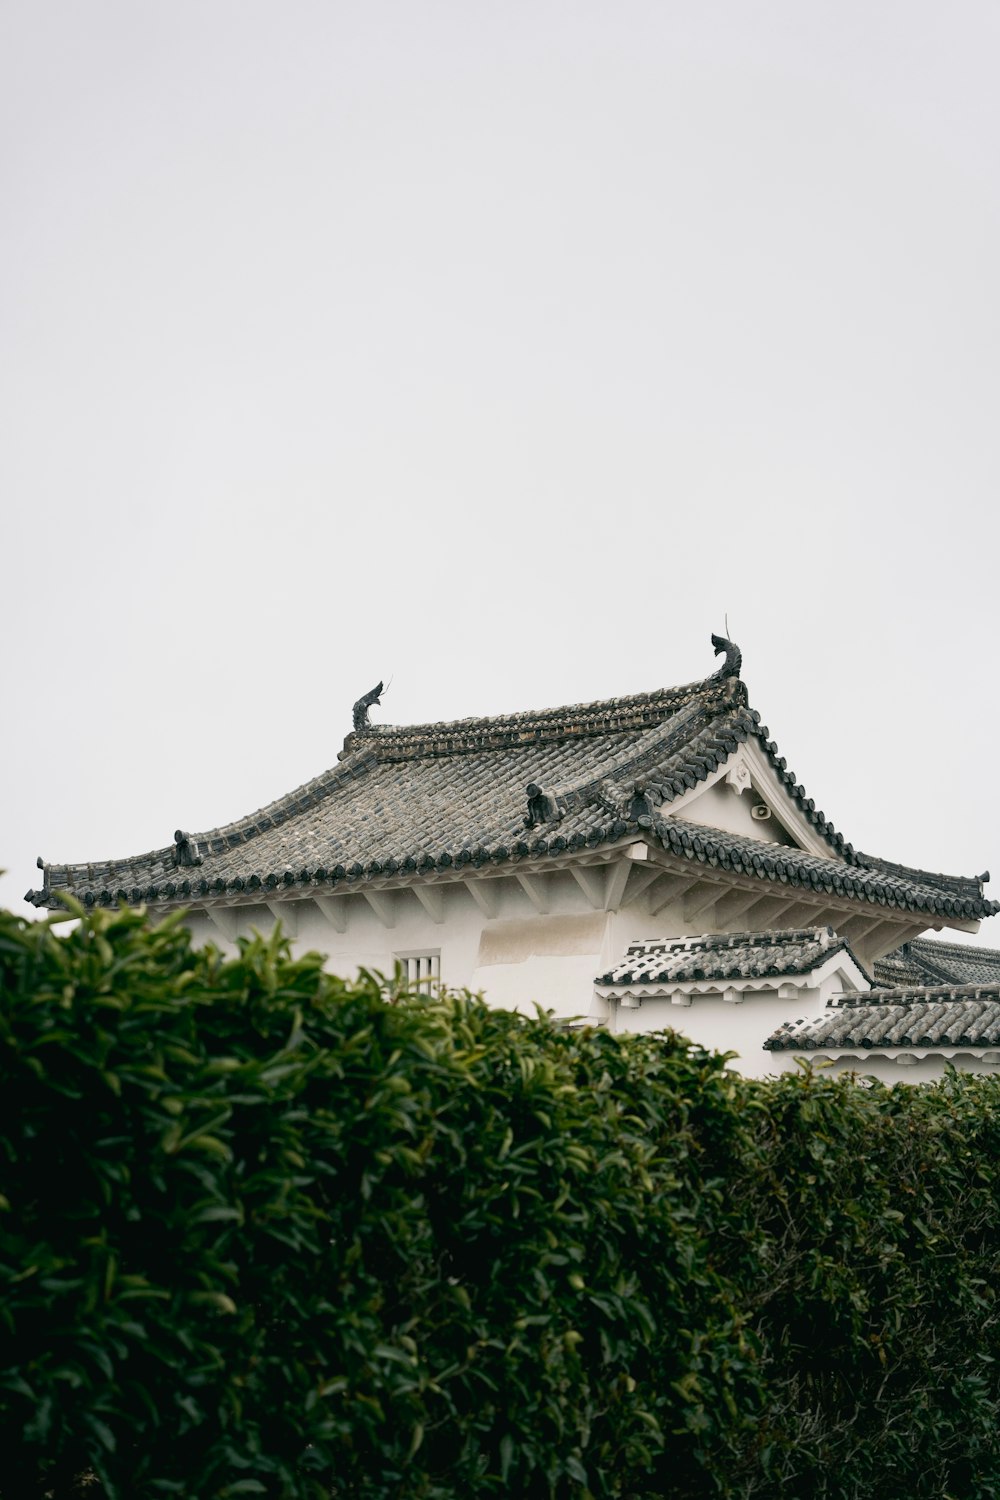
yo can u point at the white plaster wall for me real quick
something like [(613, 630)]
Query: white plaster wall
[(518, 957), (719, 1024), (477, 952), (546, 960)]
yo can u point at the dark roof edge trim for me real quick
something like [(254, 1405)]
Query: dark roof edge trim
[(775, 863)]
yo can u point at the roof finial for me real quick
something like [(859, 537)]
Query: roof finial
[(361, 720), (185, 849), (543, 806), (734, 656)]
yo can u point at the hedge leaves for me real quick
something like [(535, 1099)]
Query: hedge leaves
[(266, 1233)]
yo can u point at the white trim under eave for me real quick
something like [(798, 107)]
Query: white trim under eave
[(903, 1056)]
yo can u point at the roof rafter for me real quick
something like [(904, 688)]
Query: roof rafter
[(431, 898), (484, 894), (533, 887), (286, 912), (334, 909), (383, 904)]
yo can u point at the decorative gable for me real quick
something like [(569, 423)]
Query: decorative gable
[(746, 796)]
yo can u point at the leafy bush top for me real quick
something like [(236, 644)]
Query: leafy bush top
[(265, 1232)]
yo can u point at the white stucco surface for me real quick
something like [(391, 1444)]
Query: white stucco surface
[(523, 939)]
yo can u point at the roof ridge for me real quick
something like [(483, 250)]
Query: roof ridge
[(970, 951), (669, 737), (240, 830), (766, 937), (919, 994), (679, 835), (588, 717), (954, 1021), (720, 957)]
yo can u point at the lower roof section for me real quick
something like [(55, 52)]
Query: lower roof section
[(956, 1016), (928, 961), (815, 964), (726, 956)]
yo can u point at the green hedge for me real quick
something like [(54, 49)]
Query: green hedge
[(876, 1216), (262, 1232)]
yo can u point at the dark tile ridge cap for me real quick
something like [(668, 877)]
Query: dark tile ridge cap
[(930, 947), (709, 740), (779, 862), (229, 835), (573, 720), (723, 728), (806, 804), (929, 972), (972, 883), (917, 994)]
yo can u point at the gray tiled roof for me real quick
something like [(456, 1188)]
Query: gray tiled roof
[(927, 961), (955, 1016), (435, 797), (728, 955)]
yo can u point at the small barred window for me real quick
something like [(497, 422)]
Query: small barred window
[(421, 971)]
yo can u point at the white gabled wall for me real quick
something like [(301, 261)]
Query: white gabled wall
[(725, 798), (720, 1025), (718, 808)]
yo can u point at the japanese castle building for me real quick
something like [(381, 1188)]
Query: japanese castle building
[(644, 862)]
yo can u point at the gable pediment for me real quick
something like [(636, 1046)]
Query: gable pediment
[(745, 796)]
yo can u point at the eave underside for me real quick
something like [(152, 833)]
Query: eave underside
[(629, 873)]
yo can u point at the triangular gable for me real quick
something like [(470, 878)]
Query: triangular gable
[(746, 796)]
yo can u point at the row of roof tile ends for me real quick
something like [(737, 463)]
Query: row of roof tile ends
[(626, 759), (925, 994)]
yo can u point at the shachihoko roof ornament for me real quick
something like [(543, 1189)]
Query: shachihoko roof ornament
[(361, 719), (186, 853), (733, 663)]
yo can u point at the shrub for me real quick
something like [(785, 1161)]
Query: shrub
[(876, 1219), (264, 1232), (267, 1233)]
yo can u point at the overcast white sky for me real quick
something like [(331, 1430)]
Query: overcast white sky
[(503, 348)]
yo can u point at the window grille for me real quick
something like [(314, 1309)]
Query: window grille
[(421, 971)]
